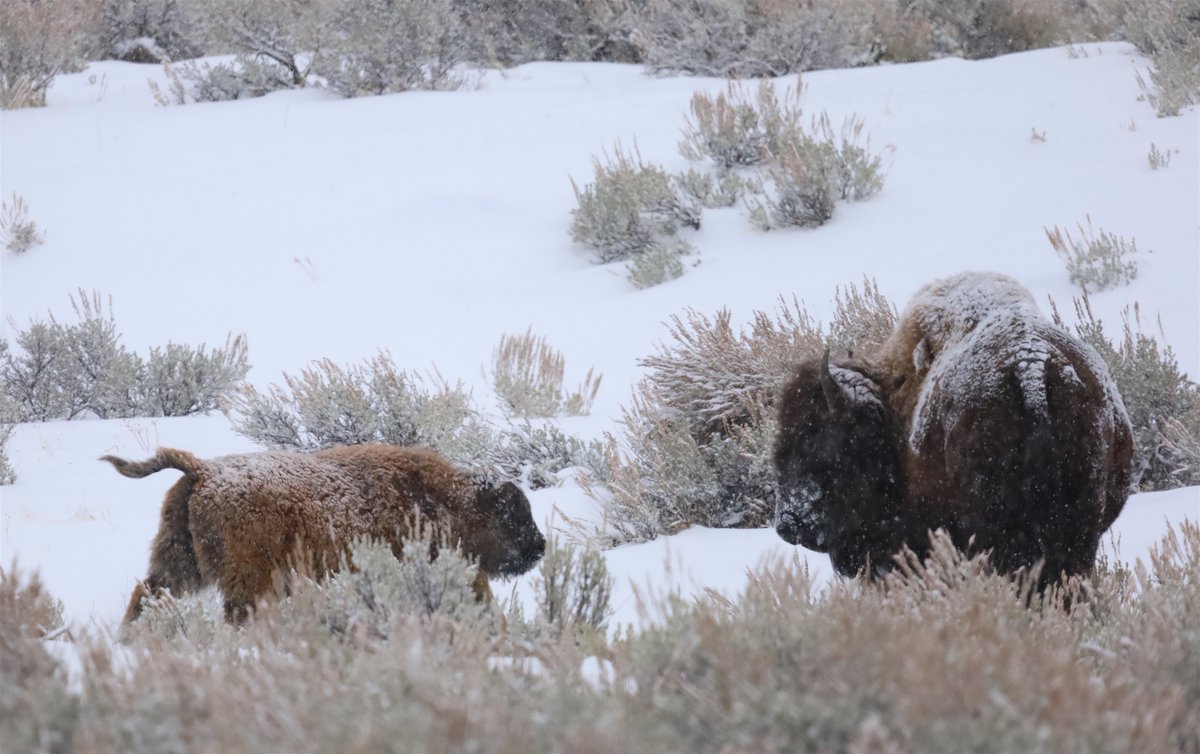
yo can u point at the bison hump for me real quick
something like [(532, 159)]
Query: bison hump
[(1011, 348)]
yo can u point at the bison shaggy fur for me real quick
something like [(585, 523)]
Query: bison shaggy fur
[(977, 416), (240, 520)]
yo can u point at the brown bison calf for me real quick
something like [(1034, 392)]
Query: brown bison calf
[(977, 416), (239, 520)]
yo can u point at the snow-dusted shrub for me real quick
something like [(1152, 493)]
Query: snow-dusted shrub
[(862, 320), (802, 172), (1158, 159), (1163, 404), (756, 38), (361, 606), (962, 656), (68, 371), (65, 371), (17, 232), (8, 474), (964, 662), (660, 263), (37, 711), (149, 31), (1174, 79), (815, 170), (527, 375), (384, 46), (901, 36), (382, 590), (789, 37), (27, 609), (1168, 32), (280, 36), (327, 405), (733, 130), (738, 130), (986, 28), (701, 37), (242, 78), (628, 208), (1095, 262), (180, 380), (716, 190), (536, 453), (801, 190), (573, 589), (509, 32), (40, 39), (8, 418), (700, 428)]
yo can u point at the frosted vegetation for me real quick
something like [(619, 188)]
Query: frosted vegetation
[(366, 47), (1096, 261), (527, 375), (398, 655), (749, 148), (18, 233), (59, 370)]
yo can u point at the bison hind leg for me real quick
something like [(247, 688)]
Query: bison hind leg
[(173, 565)]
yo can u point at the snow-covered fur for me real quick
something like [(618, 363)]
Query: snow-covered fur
[(239, 520), (977, 416)]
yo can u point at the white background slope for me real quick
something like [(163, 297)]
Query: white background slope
[(430, 224)]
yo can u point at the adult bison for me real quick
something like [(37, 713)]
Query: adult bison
[(977, 416), (238, 520)]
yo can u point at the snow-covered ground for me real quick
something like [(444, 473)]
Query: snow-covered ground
[(431, 224)]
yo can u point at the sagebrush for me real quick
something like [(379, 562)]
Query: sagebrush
[(797, 173), (38, 41), (1096, 261), (18, 233), (1166, 31), (629, 208), (1163, 403), (527, 375), (327, 405), (700, 426), (362, 47), (944, 655), (59, 370)]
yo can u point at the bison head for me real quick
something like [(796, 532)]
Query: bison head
[(837, 460), (503, 534)]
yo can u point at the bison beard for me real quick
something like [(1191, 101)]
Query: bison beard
[(978, 417), (240, 520)]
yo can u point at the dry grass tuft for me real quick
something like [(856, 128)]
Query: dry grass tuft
[(17, 232), (527, 374), (1097, 261)]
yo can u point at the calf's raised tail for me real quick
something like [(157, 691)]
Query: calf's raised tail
[(173, 565), (165, 458)]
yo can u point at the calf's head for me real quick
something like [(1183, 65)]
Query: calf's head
[(836, 458), (500, 530)]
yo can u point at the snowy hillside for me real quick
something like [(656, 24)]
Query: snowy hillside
[(431, 224)]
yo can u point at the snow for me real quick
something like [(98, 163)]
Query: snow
[(429, 224)]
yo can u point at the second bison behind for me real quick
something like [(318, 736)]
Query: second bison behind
[(977, 416), (238, 520)]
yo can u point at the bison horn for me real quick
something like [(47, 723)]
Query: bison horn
[(834, 397)]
